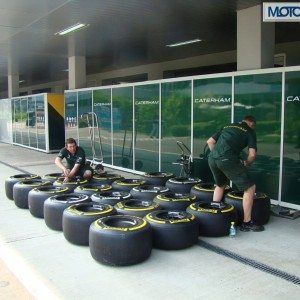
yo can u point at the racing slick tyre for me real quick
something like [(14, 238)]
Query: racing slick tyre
[(214, 218), (261, 206), (181, 185), (76, 181), (11, 180), (157, 178), (136, 207), (148, 192), (37, 197), (120, 240), (54, 207), (90, 189), (106, 178), (174, 201), (204, 192), (127, 184), (22, 188), (78, 218), (173, 230), (110, 197), (52, 176)]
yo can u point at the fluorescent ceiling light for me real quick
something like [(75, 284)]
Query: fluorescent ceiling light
[(184, 43), (21, 81), (71, 29)]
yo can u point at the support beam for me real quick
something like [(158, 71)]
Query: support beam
[(76, 61), (13, 77), (255, 40)]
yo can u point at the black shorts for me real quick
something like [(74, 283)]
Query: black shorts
[(82, 170), (226, 169)]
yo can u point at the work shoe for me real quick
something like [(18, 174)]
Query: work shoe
[(250, 226)]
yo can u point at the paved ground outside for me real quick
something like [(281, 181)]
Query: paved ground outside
[(38, 263)]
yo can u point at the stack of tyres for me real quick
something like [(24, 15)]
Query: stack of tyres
[(55, 205), (174, 201), (106, 178), (261, 206), (157, 178), (173, 230), (90, 189), (205, 191), (126, 185), (136, 207), (111, 197), (78, 218), (38, 196), (214, 218), (70, 184), (148, 192), (182, 185), (21, 190), (120, 240), (12, 180)]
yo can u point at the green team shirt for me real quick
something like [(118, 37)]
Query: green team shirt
[(77, 158), (232, 139)]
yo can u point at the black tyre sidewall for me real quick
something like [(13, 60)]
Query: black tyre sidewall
[(76, 226), (120, 248), (213, 224), (53, 210), (174, 236), (37, 197)]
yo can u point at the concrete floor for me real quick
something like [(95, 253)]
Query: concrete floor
[(38, 263)]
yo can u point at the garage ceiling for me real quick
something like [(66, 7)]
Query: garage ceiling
[(121, 33)]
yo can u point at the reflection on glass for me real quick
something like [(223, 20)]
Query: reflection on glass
[(71, 115), (260, 96), (24, 122), (31, 122), (84, 106), (14, 120), (212, 110), (175, 122), (291, 156), (146, 108), (102, 108), (122, 126), (40, 121)]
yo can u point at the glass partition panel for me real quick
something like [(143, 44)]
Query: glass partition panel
[(31, 122), (85, 99), (122, 126), (71, 115), (175, 122), (5, 121), (260, 95), (291, 153), (146, 109), (24, 122), (40, 121), (211, 111), (16, 121), (102, 108)]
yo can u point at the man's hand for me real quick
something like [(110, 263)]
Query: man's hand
[(211, 143), (246, 164), (66, 172), (67, 179)]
